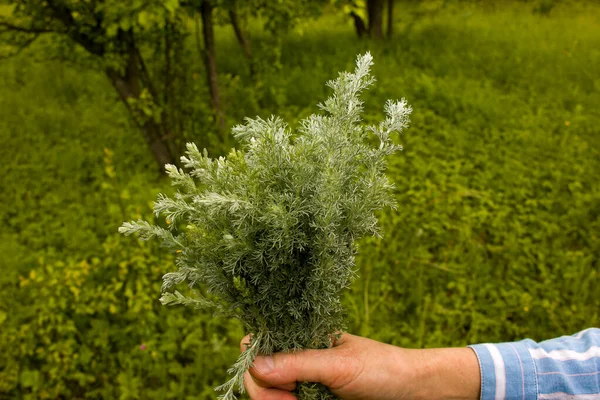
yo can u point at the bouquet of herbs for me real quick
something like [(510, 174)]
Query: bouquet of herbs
[(270, 230)]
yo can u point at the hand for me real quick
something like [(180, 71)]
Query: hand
[(360, 368)]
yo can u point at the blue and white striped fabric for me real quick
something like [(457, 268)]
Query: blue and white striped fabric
[(564, 368)]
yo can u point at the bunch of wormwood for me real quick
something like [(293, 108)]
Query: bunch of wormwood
[(270, 230)]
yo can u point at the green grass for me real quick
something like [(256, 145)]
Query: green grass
[(496, 234)]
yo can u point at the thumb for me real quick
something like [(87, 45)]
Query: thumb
[(323, 366), (284, 368)]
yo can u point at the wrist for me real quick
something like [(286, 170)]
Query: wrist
[(451, 373)]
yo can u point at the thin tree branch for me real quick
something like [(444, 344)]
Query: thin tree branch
[(75, 32), (20, 48), (9, 27), (242, 40), (145, 74)]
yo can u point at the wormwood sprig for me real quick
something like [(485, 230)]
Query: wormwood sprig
[(271, 230)]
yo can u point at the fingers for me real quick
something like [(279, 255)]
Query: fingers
[(244, 343), (345, 337), (257, 392), (287, 386)]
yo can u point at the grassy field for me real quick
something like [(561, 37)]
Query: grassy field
[(496, 235)]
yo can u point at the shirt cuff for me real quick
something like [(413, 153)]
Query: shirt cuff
[(507, 371)]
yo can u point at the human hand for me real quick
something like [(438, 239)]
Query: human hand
[(360, 368)]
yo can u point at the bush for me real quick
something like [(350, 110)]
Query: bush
[(95, 329)]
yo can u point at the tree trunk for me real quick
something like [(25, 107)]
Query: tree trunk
[(210, 64), (375, 10), (390, 18), (359, 25), (170, 98), (242, 40), (127, 84)]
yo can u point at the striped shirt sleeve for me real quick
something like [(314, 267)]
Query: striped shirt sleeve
[(564, 368)]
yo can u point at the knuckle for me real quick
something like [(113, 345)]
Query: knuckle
[(347, 369), (244, 342)]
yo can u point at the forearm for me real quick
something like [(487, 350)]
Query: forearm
[(451, 373)]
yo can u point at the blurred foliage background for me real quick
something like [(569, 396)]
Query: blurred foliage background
[(496, 236)]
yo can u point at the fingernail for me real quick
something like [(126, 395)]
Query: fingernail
[(264, 364)]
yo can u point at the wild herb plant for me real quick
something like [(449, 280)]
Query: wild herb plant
[(271, 230)]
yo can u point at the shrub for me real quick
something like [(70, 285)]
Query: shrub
[(95, 329)]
